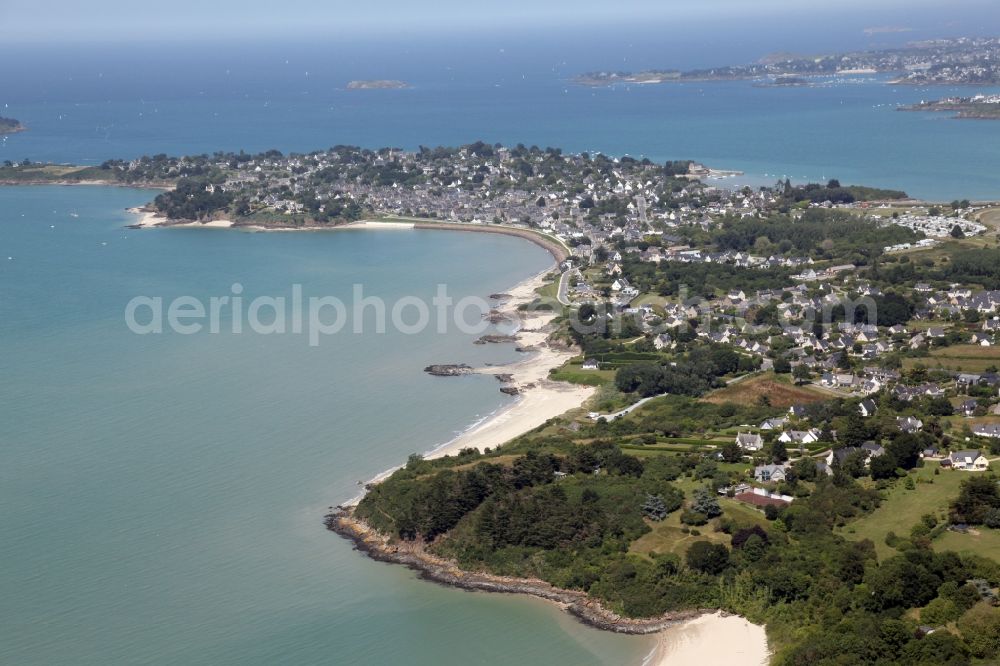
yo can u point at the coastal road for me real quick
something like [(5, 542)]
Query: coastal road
[(563, 294), (629, 409)]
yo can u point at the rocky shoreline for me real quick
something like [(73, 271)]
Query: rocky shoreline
[(438, 570)]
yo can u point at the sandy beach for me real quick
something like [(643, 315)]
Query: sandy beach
[(149, 219), (712, 640), (541, 398)]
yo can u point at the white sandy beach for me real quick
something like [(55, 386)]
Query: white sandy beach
[(541, 398), (148, 219), (712, 640)]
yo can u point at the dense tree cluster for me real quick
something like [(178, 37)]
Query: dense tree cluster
[(193, 199), (978, 503), (820, 233)]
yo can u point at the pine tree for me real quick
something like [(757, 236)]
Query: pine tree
[(705, 502), (654, 508)]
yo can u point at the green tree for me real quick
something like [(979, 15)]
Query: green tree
[(980, 627), (706, 502), (707, 557), (978, 497)]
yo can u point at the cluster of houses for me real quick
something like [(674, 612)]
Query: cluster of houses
[(936, 226), (971, 460)]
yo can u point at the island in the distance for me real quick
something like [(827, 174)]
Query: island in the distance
[(978, 107), (10, 126), (378, 84)]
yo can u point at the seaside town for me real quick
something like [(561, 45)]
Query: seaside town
[(960, 61)]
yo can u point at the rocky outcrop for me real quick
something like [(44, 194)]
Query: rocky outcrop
[(496, 317), (444, 370), (495, 339)]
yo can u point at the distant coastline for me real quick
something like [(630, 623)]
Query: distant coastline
[(934, 62)]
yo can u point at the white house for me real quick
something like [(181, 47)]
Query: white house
[(591, 364), (800, 436), (909, 424), (969, 461), (749, 441), (774, 423), (986, 430), (867, 407), (663, 341), (768, 473)]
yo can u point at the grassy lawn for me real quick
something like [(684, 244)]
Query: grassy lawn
[(575, 374), (985, 542), (550, 291), (780, 391), (902, 509), (970, 358), (649, 299), (667, 536)]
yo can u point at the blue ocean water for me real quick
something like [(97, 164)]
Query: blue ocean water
[(163, 494), (88, 105)]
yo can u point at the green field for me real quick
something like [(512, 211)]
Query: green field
[(985, 542), (902, 508), (574, 374), (968, 358)]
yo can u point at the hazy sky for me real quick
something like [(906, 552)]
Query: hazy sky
[(56, 20)]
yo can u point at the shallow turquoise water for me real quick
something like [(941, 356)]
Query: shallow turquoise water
[(161, 496)]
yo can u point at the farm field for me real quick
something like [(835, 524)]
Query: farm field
[(967, 358)]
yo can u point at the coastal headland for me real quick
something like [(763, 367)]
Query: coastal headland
[(700, 637), (438, 570)]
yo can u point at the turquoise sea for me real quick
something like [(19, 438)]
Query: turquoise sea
[(162, 495)]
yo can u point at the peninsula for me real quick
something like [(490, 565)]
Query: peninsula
[(961, 61)]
